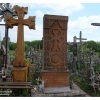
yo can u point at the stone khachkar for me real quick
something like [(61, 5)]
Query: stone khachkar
[(55, 51), (20, 64)]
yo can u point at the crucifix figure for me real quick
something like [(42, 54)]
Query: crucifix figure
[(10, 22)]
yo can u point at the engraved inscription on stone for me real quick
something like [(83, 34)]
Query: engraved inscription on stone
[(20, 76)]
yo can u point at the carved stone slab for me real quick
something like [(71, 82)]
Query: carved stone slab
[(55, 42)]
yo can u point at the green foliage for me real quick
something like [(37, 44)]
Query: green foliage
[(35, 44), (86, 87), (11, 54), (20, 93), (89, 44), (70, 48), (26, 46), (92, 44), (12, 46)]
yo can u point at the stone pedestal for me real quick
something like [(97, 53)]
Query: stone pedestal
[(55, 79), (20, 74)]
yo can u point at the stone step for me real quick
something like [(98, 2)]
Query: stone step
[(56, 89)]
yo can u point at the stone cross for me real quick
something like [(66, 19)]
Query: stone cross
[(10, 22)]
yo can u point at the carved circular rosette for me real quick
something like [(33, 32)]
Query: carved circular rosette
[(55, 58)]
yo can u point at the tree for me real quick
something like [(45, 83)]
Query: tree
[(12, 46), (92, 44), (26, 46)]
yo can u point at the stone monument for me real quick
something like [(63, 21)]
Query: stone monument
[(20, 64), (54, 69)]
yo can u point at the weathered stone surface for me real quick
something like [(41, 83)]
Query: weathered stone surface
[(76, 92), (20, 74), (54, 42), (55, 51), (57, 90), (30, 22), (55, 79)]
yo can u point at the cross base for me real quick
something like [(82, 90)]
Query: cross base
[(57, 89), (55, 79), (20, 63), (20, 74)]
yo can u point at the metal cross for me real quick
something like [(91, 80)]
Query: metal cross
[(81, 40), (6, 8)]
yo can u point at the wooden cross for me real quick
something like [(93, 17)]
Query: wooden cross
[(81, 40), (10, 22)]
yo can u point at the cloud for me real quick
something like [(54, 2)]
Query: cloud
[(29, 34), (64, 8), (57, 8), (84, 24), (52, 8), (69, 37), (39, 14)]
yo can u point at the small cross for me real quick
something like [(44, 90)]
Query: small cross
[(81, 40)]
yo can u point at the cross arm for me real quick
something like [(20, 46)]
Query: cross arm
[(10, 21), (30, 22), (95, 24), (82, 38)]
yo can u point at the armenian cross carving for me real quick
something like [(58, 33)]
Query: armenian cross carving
[(10, 22)]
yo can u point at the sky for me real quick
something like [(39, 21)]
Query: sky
[(80, 16)]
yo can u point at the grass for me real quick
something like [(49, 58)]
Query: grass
[(20, 93), (86, 88), (12, 52), (83, 85)]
